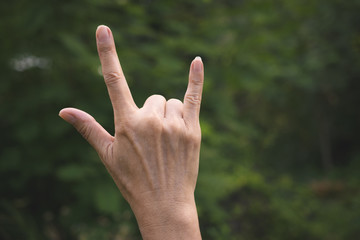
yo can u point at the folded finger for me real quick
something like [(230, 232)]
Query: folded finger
[(174, 109), (155, 104)]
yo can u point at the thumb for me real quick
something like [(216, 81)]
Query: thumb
[(87, 126)]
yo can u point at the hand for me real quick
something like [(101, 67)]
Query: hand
[(154, 155)]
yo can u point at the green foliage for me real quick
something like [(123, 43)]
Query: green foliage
[(280, 152)]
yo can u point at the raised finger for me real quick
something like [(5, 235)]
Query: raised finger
[(118, 89), (192, 99)]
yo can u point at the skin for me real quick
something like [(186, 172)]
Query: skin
[(154, 155)]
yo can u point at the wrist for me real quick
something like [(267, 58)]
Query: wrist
[(168, 219)]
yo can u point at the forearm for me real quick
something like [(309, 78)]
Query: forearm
[(168, 220)]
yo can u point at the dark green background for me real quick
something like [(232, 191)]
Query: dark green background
[(280, 115)]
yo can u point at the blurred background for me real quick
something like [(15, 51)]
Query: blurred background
[(280, 116)]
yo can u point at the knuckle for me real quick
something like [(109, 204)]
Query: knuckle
[(195, 138), (194, 99), (150, 122), (105, 49), (121, 129), (174, 101), (158, 97), (153, 121), (126, 124), (173, 127), (112, 78), (85, 130), (198, 80)]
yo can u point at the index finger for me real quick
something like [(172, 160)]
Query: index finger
[(115, 81), (192, 99)]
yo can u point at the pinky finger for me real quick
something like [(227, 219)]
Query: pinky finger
[(192, 99)]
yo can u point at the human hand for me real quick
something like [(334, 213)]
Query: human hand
[(154, 155)]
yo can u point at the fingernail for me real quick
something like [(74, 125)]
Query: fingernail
[(67, 117), (103, 33), (197, 64)]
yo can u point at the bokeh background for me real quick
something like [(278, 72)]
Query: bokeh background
[(280, 116)]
